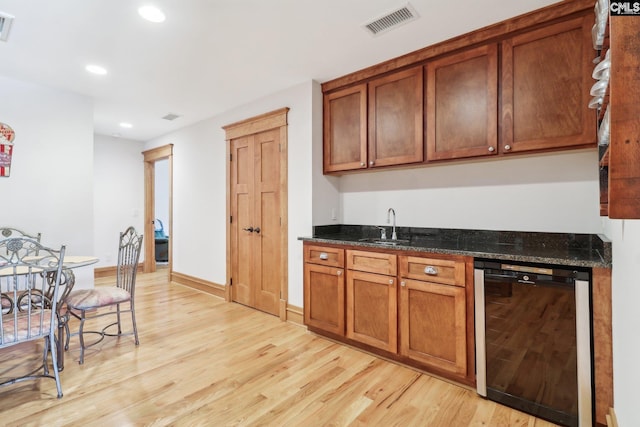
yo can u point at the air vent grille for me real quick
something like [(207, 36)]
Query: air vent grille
[(392, 20), (171, 116), (5, 25)]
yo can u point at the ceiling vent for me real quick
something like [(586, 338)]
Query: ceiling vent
[(392, 20), (5, 25), (171, 116)]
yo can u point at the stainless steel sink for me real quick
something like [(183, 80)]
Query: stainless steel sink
[(383, 242)]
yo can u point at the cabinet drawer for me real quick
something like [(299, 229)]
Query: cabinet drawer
[(372, 262), (435, 270), (324, 255)]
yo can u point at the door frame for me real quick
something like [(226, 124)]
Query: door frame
[(264, 122), (150, 157)]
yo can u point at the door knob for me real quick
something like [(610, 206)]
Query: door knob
[(250, 229), (257, 230)]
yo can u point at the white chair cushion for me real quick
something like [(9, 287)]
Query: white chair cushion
[(85, 299)]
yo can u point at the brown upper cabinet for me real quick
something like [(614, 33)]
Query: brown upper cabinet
[(391, 132), (546, 76), (462, 104), (395, 119), (345, 129), (518, 86)]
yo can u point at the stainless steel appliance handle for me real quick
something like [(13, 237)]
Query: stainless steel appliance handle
[(481, 347)]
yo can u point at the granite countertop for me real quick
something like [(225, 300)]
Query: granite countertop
[(567, 249)]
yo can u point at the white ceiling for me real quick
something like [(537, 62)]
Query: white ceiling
[(213, 55)]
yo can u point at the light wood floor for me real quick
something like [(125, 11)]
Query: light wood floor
[(205, 362)]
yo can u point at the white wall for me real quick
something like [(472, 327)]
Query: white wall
[(119, 194), (553, 192), (50, 189), (199, 184)]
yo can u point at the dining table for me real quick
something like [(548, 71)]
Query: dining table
[(67, 282)]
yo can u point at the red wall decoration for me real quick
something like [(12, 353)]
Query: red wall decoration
[(6, 148)]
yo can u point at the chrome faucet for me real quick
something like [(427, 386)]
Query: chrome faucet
[(394, 236)]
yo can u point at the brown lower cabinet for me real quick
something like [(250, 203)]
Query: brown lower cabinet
[(372, 299), (324, 289), (432, 324), (407, 307)]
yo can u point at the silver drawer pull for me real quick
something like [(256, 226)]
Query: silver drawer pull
[(324, 255), (430, 270)]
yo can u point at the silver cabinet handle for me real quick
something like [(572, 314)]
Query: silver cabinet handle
[(507, 147), (361, 163), (403, 283), (430, 270), (339, 272), (391, 281), (371, 163), (491, 149), (324, 256)]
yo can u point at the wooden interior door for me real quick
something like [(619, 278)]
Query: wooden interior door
[(150, 157), (255, 220), (266, 218), (242, 178)]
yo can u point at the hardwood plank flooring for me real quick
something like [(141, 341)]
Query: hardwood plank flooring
[(205, 362)]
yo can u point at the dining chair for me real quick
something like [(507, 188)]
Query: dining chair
[(84, 304), (29, 300), (66, 285), (9, 232)]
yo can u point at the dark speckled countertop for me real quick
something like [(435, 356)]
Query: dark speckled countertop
[(567, 249)]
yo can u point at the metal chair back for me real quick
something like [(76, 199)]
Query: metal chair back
[(128, 256), (10, 232), (29, 286)]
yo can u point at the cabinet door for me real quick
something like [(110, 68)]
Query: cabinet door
[(433, 325), (345, 129), (395, 119), (546, 76), (372, 310), (324, 298), (462, 104)]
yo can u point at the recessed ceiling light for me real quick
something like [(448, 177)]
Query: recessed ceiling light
[(96, 69), (126, 125), (152, 14)]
